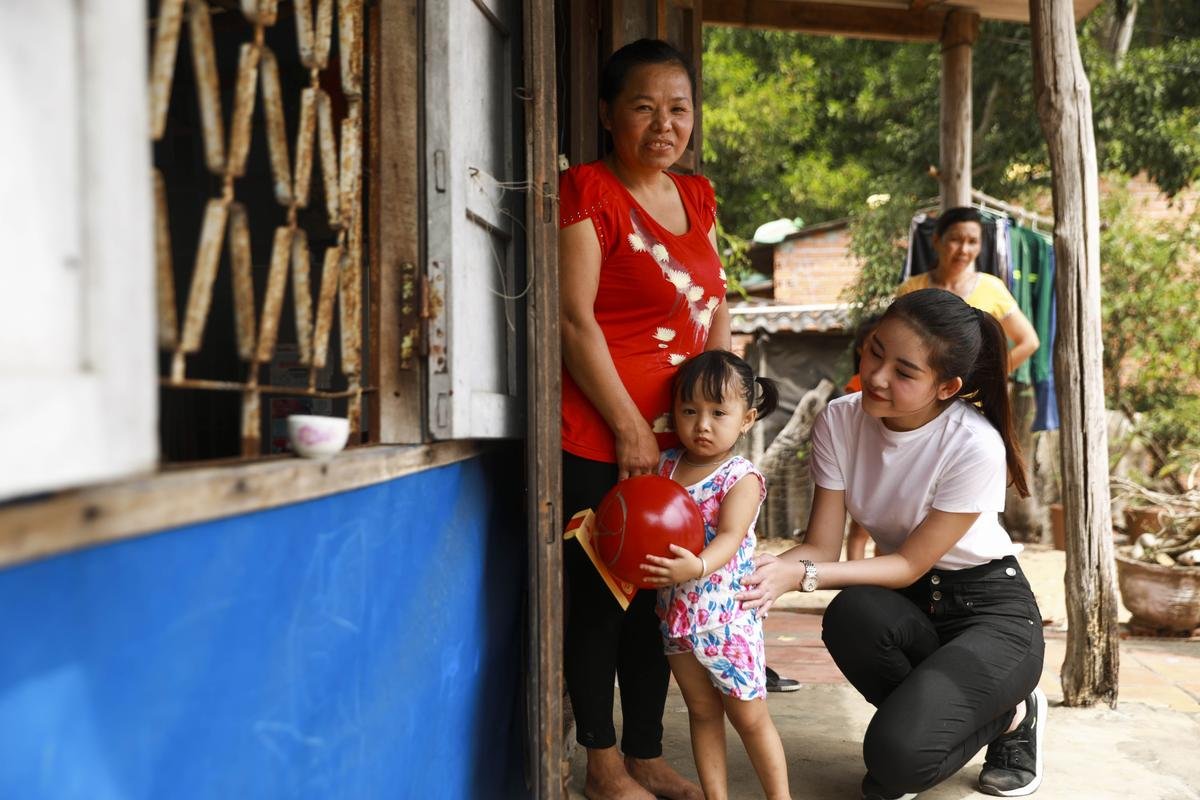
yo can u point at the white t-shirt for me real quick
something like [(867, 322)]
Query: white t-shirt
[(891, 479)]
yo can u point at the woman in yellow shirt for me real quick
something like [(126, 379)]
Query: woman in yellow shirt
[(957, 237)]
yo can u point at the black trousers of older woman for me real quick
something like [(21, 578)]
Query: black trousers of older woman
[(602, 640), (945, 661)]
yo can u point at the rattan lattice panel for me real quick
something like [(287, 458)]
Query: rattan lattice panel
[(331, 137)]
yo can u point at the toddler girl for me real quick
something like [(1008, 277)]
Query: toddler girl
[(714, 646)]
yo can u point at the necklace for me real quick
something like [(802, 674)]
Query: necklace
[(687, 460)]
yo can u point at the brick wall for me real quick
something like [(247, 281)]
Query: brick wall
[(1152, 204), (815, 267)]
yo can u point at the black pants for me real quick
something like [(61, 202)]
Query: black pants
[(603, 641), (944, 661)]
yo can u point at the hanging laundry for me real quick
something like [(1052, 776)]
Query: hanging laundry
[(1045, 318), (1032, 285)]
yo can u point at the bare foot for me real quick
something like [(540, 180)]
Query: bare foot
[(607, 778), (661, 780)]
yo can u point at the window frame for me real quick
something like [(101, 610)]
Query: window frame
[(99, 420)]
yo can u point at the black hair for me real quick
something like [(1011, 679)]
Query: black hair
[(635, 54), (864, 329), (967, 343), (953, 216), (711, 371)]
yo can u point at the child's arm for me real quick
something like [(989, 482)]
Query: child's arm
[(737, 512)]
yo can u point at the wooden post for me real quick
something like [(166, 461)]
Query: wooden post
[(543, 440), (397, 410), (958, 37), (1089, 673)]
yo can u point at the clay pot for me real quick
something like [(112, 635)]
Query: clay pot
[(1158, 597), (1142, 519)]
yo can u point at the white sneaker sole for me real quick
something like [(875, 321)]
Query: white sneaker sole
[(1040, 731)]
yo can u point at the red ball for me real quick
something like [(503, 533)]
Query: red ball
[(640, 516)]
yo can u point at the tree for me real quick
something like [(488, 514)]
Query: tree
[(811, 126), (1151, 304)]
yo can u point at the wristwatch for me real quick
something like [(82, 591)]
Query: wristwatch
[(809, 582)]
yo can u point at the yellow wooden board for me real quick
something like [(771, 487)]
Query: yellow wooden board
[(581, 529)]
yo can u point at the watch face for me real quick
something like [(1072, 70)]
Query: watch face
[(809, 584)]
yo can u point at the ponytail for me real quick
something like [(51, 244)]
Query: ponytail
[(989, 385), (968, 343)]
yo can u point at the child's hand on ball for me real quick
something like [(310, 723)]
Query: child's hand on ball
[(663, 571)]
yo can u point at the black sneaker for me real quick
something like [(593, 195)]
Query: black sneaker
[(871, 790), (1013, 764), (778, 684)]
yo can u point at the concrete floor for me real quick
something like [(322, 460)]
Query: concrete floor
[(1146, 749)]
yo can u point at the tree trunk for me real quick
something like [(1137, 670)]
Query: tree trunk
[(1119, 30), (1089, 673), (786, 468), (958, 37)]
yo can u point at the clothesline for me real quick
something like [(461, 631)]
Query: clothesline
[(1010, 209)]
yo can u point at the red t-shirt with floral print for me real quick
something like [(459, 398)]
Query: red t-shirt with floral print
[(655, 301)]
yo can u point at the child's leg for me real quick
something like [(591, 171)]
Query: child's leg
[(753, 723), (706, 717)]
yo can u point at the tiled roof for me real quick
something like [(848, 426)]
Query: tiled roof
[(816, 318)]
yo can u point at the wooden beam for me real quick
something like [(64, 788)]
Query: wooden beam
[(919, 5), (112, 512), (1063, 94), (582, 81), (958, 36), (693, 12), (395, 234), (543, 441), (888, 24)]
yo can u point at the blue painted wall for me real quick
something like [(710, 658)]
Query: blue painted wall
[(359, 646)]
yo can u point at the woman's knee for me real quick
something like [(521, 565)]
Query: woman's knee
[(897, 757), (858, 616)]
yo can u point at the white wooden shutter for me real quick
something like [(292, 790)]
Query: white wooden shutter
[(474, 389), (77, 372)]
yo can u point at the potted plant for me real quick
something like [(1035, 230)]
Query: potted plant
[(1159, 573)]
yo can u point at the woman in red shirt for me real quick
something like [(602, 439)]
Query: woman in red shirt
[(642, 290)]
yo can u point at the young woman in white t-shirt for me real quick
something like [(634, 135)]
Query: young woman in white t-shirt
[(939, 630)]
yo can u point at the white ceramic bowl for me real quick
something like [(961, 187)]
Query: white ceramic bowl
[(314, 436)]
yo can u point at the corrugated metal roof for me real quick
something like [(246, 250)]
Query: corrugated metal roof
[(816, 318)]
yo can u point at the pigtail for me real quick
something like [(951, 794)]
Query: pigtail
[(768, 396), (989, 386)]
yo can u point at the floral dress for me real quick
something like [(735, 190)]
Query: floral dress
[(702, 616)]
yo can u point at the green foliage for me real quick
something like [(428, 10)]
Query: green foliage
[(879, 237), (804, 126), (1151, 304), (811, 126), (1147, 113), (735, 257)]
